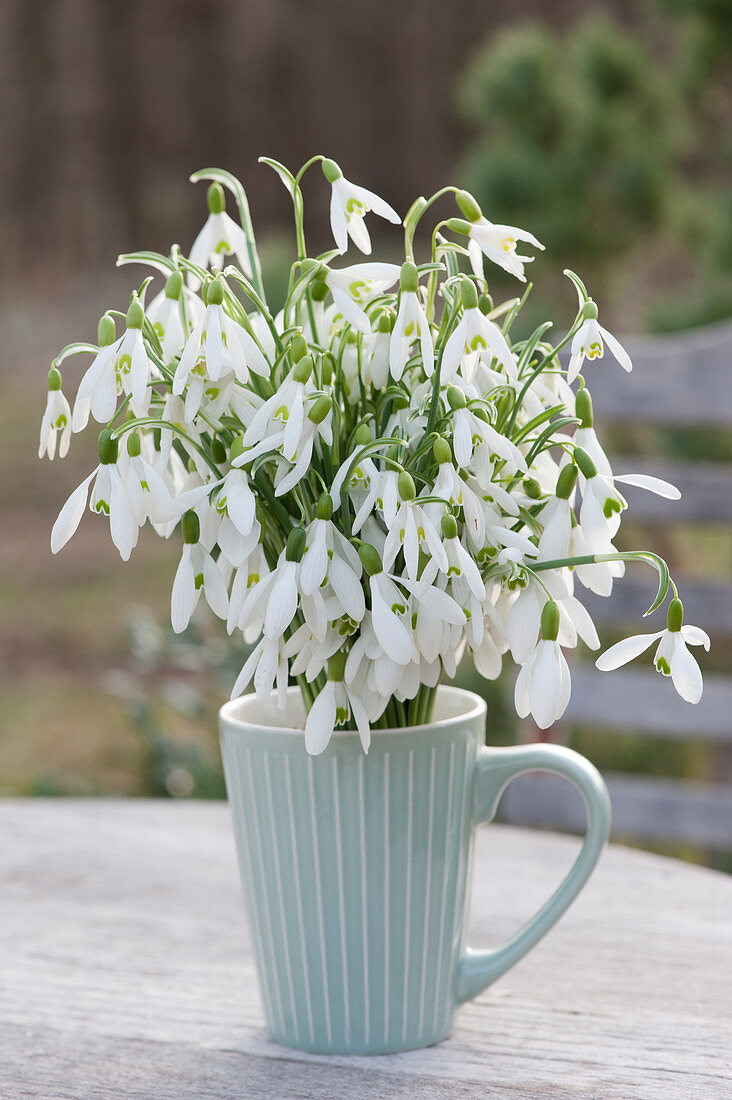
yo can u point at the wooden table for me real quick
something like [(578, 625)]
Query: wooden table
[(125, 971)]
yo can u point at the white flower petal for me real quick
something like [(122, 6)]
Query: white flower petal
[(627, 650), (685, 672), (70, 515)]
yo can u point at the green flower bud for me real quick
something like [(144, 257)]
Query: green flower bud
[(320, 409), (326, 368), (405, 484), (107, 448), (318, 290), (295, 547), (550, 621), (370, 559), (455, 398), (485, 304), (481, 414), (399, 401), (457, 225), (324, 507), (190, 528), (135, 314), (362, 435), (409, 278), (133, 444), (54, 379), (468, 206), (386, 322), (449, 527), (216, 199), (566, 481), (589, 310), (237, 447), (106, 331), (469, 294), (337, 666), (675, 616), (218, 451), (298, 347), (587, 467), (532, 488), (442, 451), (583, 408), (215, 292), (174, 286), (303, 369), (331, 171)]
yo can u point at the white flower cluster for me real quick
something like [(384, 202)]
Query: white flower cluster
[(372, 480)]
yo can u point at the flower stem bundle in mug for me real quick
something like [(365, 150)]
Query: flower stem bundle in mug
[(374, 479)]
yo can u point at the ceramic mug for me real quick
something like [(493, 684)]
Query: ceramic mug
[(356, 868)]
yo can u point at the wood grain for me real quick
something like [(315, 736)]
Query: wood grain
[(126, 972)]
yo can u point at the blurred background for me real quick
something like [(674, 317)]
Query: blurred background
[(602, 128)]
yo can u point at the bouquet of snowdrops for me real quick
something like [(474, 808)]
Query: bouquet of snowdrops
[(372, 480)]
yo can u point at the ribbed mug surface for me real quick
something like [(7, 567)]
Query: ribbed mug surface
[(355, 870)]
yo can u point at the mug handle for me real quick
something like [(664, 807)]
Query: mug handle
[(495, 768)]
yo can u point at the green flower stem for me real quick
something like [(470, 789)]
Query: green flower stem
[(411, 223), (220, 176), (154, 422)]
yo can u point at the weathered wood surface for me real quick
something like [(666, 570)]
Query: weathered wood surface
[(126, 972)]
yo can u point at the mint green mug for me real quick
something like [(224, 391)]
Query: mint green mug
[(356, 868)]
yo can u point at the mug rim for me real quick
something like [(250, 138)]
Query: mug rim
[(476, 707)]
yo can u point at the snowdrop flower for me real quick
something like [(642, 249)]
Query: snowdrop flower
[(375, 361), (459, 494), (388, 610), (496, 242), (543, 685), (475, 335), (601, 501), (354, 287), (412, 531), (148, 495), (197, 572), (460, 564), (468, 427), (556, 515), (349, 205), (56, 419), (411, 324), (283, 415), (219, 237), (165, 314), (120, 366), (108, 496), (672, 657), (274, 601), (265, 665), (236, 504), (333, 706), (330, 557), (217, 344), (589, 343), (585, 435)]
